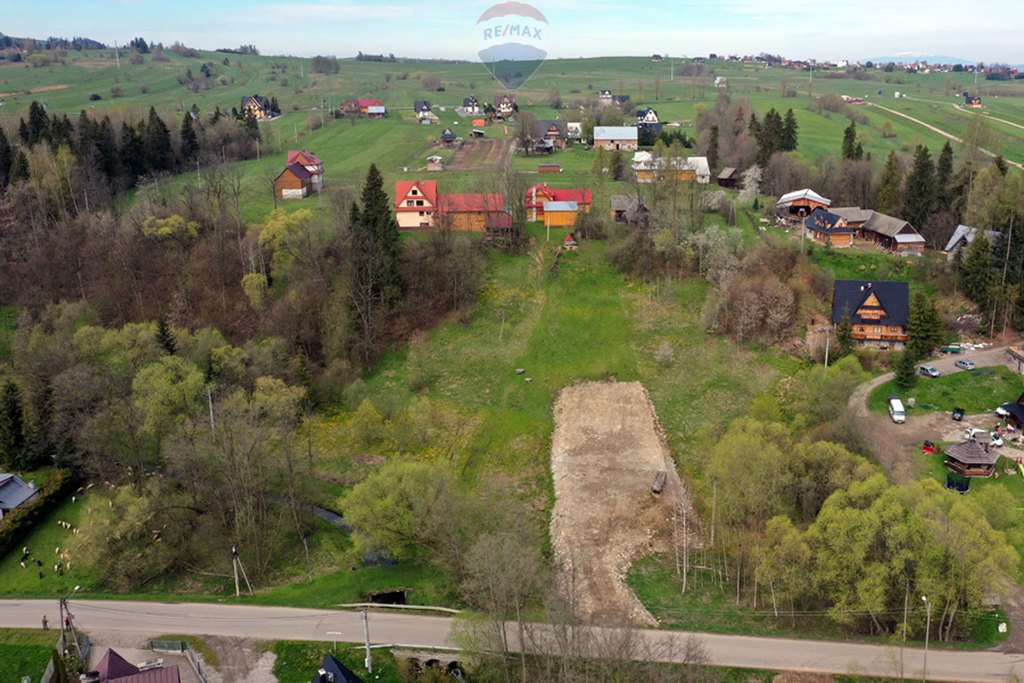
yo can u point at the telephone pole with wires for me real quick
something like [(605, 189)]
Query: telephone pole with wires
[(236, 565)]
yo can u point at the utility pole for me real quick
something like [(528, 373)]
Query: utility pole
[(366, 638), (903, 644), (117, 58), (828, 331), (236, 565), (927, 631)]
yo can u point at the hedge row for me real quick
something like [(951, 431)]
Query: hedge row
[(17, 524)]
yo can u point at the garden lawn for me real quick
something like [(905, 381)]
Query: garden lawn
[(976, 391), (24, 652), (298, 661)]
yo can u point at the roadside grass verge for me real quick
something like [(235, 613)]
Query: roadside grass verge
[(24, 652), (976, 391), (298, 661)]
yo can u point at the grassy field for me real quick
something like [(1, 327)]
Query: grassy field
[(298, 661), (24, 652), (977, 391)]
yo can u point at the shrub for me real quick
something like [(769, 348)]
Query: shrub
[(18, 523), (95, 97)]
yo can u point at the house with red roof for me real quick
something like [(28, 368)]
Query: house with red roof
[(415, 204), (540, 193), (113, 667), (359, 107), (311, 163)]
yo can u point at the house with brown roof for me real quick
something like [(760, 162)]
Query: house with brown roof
[(294, 182), (729, 178), (311, 163), (972, 458), (415, 204), (894, 235), (553, 134)]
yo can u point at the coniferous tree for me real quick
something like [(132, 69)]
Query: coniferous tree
[(165, 337), (157, 143), (19, 169), (376, 276), (13, 441), (133, 153), (106, 149), (925, 330), (920, 192), (38, 124), (216, 116), (189, 140), (713, 150), (790, 132), (890, 190), (42, 426), (769, 138), (844, 338), (944, 178), (23, 134), (61, 131), (6, 160), (852, 148), (754, 126), (1000, 163), (978, 273), (905, 372)]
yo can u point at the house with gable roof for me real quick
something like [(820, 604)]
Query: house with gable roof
[(14, 491), (540, 194), (878, 311), (611, 138), (825, 227), (311, 163), (256, 106), (415, 204)]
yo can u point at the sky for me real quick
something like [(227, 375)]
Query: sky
[(818, 29)]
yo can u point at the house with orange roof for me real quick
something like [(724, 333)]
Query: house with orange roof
[(540, 193), (311, 163), (469, 212), (415, 204), (359, 107)]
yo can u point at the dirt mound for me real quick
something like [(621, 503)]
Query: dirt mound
[(606, 451)]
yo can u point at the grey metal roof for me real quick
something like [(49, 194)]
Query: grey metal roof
[(615, 133), (561, 206), (14, 491)]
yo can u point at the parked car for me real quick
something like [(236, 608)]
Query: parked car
[(965, 364), (929, 371), (896, 411), (958, 414)]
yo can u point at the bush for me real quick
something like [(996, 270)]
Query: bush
[(18, 523), (95, 97)]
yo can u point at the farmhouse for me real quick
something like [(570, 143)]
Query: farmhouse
[(616, 138), (648, 169), (825, 227), (470, 106), (891, 234), (540, 193), (311, 163), (294, 182), (13, 492), (647, 119), (963, 236), (415, 203), (798, 205), (423, 113), (554, 132), (468, 212), (359, 107), (877, 311), (256, 106)]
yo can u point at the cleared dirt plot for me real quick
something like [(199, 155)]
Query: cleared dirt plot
[(606, 453), (481, 155)]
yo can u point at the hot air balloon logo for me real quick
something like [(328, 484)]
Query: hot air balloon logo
[(512, 36)]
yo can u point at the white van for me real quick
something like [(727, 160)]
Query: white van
[(896, 412)]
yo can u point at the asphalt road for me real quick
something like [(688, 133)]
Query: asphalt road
[(287, 623)]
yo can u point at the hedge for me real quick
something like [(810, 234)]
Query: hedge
[(17, 524)]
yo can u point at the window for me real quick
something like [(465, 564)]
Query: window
[(878, 330), (423, 213), (409, 202), (414, 192), (419, 202)]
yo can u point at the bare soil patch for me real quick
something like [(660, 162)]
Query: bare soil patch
[(33, 91), (480, 155), (606, 451)]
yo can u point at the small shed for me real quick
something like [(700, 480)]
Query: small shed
[(570, 243), (560, 214), (729, 177), (972, 459), (376, 111), (435, 163), (477, 133), (448, 137)]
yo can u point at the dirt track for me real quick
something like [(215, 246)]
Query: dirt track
[(481, 155), (605, 453)]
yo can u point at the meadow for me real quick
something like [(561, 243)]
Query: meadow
[(977, 391)]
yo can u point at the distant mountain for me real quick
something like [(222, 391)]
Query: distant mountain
[(911, 57)]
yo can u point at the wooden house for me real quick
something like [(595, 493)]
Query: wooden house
[(504, 106), (729, 178), (629, 209), (611, 138), (554, 132), (294, 182), (827, 228), (359, 107), (798, 205), (415, 204), (878, 311), (468, 212), (312, 163), (648, 169), (560, 214), (256, 106), (538, 195), (894, 235), (972, 458)]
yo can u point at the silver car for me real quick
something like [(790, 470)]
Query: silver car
[(929, 371), (965, 364)]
